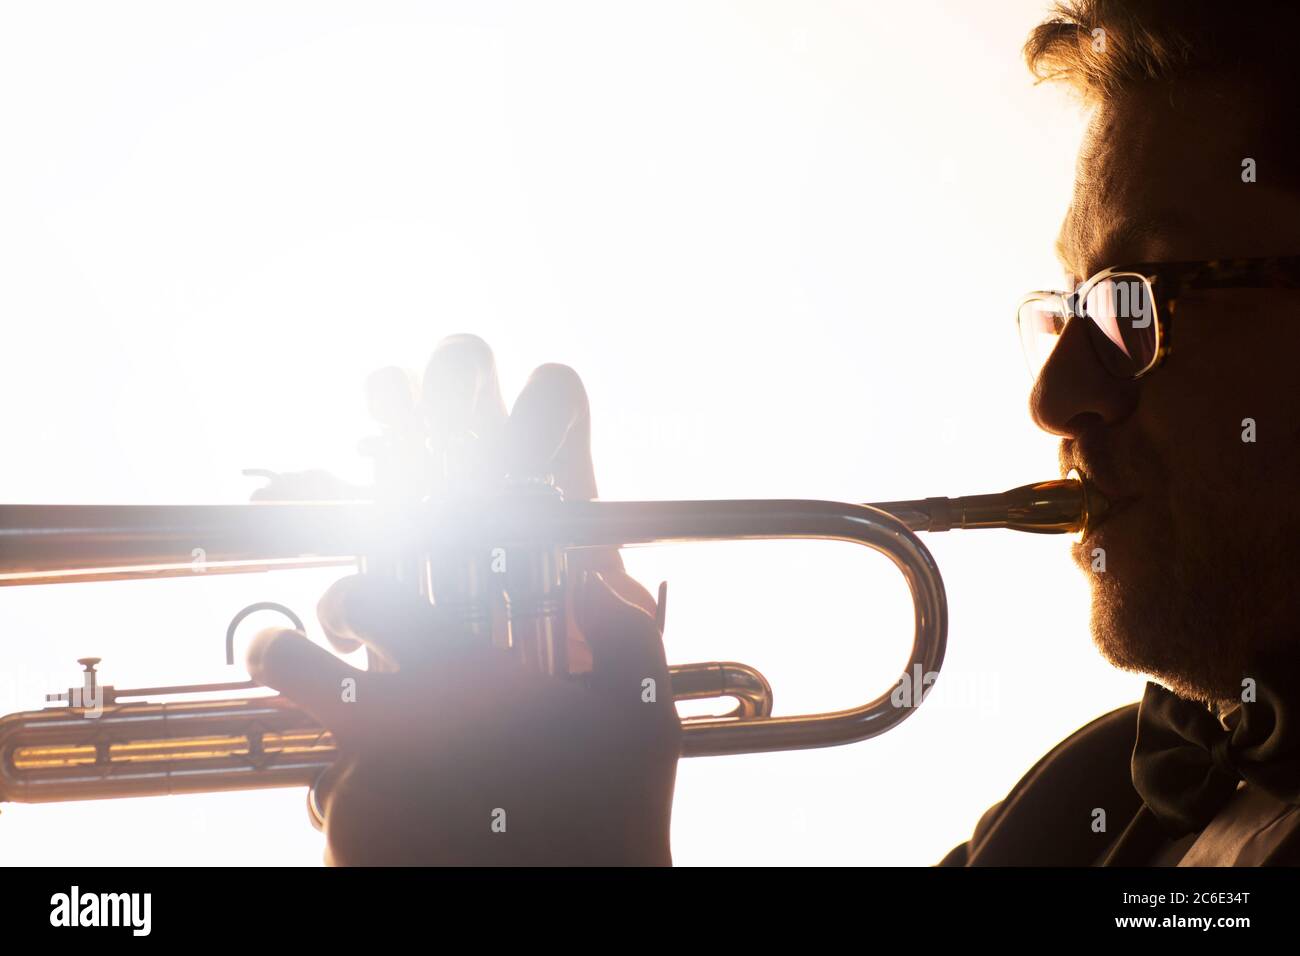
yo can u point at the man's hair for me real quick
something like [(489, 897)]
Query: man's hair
[(1103, 47)]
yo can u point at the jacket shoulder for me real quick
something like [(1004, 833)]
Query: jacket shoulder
[(1047, 818)]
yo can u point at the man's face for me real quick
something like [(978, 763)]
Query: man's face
[(1200, 566)]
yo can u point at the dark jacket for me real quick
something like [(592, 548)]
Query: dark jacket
[(1044, 820), (1047, 818)]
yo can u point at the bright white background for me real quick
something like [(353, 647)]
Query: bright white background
[(782, 243)]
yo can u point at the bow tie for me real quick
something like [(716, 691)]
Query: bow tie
[(1186, 764)]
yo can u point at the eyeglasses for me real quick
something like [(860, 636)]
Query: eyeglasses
[(1131, 308)]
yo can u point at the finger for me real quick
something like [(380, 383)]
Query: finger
[(549, 435), (622, 584), (549, 432), (310, 676), (390, 397), (461, 391), (331, 611), (402, 628), (628, 588), (625, 643)]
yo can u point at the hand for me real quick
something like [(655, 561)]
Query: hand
[(454, 754)]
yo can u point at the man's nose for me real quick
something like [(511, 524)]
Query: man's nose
[(1074, 390)]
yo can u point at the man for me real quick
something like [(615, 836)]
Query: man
[(1186, 186)]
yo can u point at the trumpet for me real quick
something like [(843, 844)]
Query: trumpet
[(475, 560)]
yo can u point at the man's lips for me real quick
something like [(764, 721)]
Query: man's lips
[(1116, 505), (1115, 502)]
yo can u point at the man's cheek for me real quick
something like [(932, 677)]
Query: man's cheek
[(1205, 434), (1236, 401)]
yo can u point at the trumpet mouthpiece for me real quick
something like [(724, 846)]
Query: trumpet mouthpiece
[(1060, 506)]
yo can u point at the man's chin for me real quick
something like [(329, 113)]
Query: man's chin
[(1142, 630), (1195, 605), (1141, 605)]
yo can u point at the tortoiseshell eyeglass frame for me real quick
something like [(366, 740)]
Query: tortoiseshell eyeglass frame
[(1166, 282)]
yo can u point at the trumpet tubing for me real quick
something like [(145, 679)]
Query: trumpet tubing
[(116, 748), (120, 747), (146, 749)]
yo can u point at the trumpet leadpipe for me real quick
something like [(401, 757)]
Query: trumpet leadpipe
[(1060, 506)]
